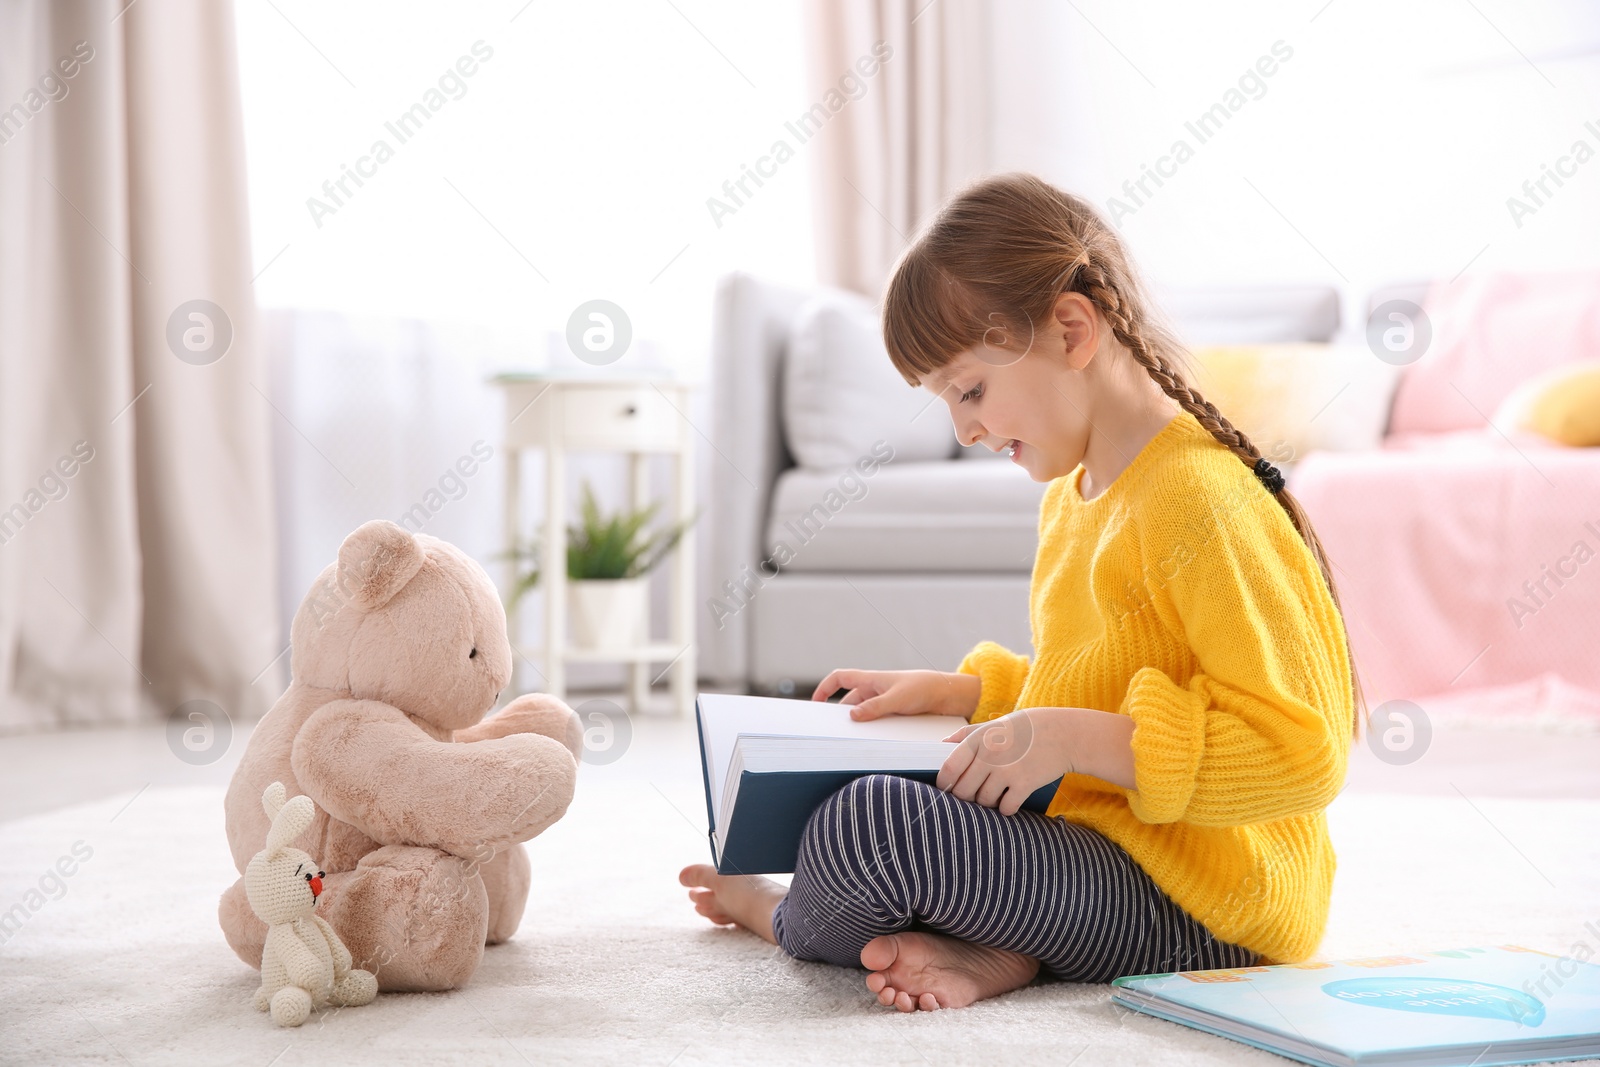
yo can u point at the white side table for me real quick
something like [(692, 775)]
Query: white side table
[(567, 411)]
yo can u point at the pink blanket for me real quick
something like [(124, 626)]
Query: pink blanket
[(1547, 703), (1462, 561)]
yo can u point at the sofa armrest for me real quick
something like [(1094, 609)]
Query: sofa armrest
[(749, 338)]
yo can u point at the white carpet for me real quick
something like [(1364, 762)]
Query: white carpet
[(611, 964)]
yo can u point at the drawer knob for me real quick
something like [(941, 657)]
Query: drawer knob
[(630, 410)]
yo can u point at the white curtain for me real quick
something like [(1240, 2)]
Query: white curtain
[(888, 158), (137, 550), (383, 419)]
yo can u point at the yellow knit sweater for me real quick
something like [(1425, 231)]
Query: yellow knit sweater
[(1182, 596)]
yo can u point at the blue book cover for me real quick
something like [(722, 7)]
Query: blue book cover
[(767, 763), (1466, 1007)]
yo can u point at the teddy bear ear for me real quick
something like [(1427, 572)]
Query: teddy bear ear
[(376, 561)]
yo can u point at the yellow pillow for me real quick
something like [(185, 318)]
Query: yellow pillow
[(1298, 397), (1562, 404)]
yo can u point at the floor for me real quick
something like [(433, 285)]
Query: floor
[(1490, 837)]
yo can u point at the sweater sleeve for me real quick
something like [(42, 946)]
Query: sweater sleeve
[(1260, 731), (1002, 673)]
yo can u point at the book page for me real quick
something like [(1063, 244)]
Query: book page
[(724, 716)]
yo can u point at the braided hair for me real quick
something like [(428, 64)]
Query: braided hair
[(1094, 283), (995, 260)]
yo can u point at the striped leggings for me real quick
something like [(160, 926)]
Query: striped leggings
[(887, 854)]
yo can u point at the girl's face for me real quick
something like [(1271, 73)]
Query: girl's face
[(1041, 399)]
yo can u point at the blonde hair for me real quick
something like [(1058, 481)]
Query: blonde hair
[(995, 260)]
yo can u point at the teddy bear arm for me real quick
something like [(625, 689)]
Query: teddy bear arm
[(366, 763), (341, 955), (531, 713)]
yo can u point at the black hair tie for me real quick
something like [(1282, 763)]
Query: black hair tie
[(1270, 476)]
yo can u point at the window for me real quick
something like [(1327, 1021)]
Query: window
[(504, 163)]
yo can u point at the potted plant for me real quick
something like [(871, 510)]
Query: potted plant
[(609, 561)]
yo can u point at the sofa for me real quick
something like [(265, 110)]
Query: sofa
[(848, 527)]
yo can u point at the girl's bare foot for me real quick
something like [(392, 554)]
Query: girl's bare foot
[(747, 900), (924, 971)]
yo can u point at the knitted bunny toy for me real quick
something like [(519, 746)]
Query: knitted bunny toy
[(303, 964)]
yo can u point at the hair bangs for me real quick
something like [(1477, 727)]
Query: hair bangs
[(929, 317)]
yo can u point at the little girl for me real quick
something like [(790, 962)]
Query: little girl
[(1193, 680)]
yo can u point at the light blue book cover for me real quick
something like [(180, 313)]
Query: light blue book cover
[(1472, 1007)]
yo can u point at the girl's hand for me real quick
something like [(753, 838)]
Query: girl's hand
[(999, 763), (879, 693)]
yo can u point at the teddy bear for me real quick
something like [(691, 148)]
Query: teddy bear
[(398, 652), (304, 965)]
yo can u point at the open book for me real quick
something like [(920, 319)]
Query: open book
[(769, 761), (1484, 1006)]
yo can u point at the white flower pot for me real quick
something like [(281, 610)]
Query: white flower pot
[(608, 613)]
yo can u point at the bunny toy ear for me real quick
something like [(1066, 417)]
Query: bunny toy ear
[(289, 823), (272, 799)]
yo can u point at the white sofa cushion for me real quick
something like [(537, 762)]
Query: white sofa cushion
[(841, 395), (889, 621), (922, 516), (1249, 314)]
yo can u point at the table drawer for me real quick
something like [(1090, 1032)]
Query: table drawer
[(617, 416)]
